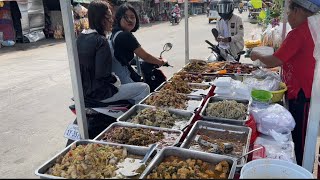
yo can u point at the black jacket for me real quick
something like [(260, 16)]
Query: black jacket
[(95, 66)]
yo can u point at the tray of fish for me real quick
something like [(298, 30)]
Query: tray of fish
[(158, 117), (197, 89), (89, 159), (179, 163), (170, 99), (139, 135), (218, 138), (226, 110)]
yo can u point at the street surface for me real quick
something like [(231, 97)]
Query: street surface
[(35, 90)]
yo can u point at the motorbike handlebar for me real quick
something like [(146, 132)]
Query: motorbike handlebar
[(208, 42)]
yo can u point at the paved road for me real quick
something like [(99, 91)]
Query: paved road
[(35, 91)]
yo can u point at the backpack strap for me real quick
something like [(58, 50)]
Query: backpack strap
[(114, 37)]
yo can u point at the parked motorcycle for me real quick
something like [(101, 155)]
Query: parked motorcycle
[(220, 54), (100, 115)]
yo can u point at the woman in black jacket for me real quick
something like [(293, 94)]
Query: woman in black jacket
[(98, 81)]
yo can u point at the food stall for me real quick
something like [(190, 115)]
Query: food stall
[(205, 137)]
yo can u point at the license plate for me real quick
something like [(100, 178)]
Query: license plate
[(72, 132)]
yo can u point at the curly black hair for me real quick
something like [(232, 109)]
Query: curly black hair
[(121, 12)]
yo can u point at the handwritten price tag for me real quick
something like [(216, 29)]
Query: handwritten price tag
[(72, 132)]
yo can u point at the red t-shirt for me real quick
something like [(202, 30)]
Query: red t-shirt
[(296, 53)]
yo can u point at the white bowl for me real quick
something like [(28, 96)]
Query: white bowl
[(273, 169)]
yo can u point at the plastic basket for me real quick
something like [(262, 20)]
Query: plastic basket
[(278, 95)]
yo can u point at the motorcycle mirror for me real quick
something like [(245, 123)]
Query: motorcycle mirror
[(166, 47), (214, 32)]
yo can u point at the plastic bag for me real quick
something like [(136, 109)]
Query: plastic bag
[(274, 117), (268, 84), (275, 149), (222, 90), (222, 82)]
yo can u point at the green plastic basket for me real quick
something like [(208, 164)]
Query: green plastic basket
[(261, 96)]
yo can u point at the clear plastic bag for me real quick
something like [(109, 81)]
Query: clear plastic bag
[(268, 84), (222, 82), (277, 150), (274, 117)]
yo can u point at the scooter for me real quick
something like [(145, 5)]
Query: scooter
[(151, 73), (175, 19), (220, 54), (100, 115)]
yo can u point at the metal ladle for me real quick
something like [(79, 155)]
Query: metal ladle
[(249, 152)]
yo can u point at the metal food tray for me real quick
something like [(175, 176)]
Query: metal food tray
[(132, 150), (195, 91), (193, 103), (126, 117), (126, 124), (203, 82), (185, 154), (218, 127), (192, 72), (225, 120)]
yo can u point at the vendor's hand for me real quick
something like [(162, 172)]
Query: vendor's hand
[(219, 38), (254, 55)]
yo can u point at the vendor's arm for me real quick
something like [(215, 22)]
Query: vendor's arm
[(270, 61), (289, 48)]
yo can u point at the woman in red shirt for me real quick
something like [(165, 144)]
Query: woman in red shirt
[(296, 58)]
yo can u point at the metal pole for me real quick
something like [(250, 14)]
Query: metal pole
[(74, 67), (285, 19), (314, 112), (186, 31)]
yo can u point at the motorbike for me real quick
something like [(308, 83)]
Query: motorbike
[(100, 115), (220, 54), (175, 18), (240, 9)]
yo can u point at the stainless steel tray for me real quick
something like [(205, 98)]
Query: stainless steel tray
[(194, 91), (218, 127), (193, 103), (41, 171), (225, 120), (179, 125), (126, 124), (185, 154)]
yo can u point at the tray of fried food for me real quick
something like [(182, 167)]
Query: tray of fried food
[(218, 138), (179, 163), (215, 66), (193, 78), (235, 67), (139, 135), (195, 66), (158, 117), (226, 110), (89, 159), (171, 99), (180, 86)]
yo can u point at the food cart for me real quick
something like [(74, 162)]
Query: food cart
[(222, 163)]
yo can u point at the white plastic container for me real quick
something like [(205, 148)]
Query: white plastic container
[(273, 169)]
